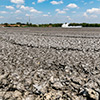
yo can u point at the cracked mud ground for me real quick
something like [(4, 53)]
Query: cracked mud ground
[(49, 64)]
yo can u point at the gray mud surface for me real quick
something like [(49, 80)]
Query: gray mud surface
[(49, 64)]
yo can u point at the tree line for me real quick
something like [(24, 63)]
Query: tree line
[(19, 24), (85, 24)]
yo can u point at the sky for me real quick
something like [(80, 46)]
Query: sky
[(50, 11)]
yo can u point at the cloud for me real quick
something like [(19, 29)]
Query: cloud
[(91, 2), (33, 3), (31, 9), (1, 17), (56, 3), (3, 12), (68, 17), (25, 7), (49, 13), (85, 14), (17, 11), (40, 1), (27, 15), (93, 10), (17, 1), (45, 15), (60, 11), (34, 10), (10, 7), (72, 5), (90, 16)]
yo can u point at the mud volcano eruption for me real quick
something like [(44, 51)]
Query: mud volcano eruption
[(49, 64)]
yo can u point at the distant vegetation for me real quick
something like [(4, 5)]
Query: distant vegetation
[(85, 24), (19, 24)]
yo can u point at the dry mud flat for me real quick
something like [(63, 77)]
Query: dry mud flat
[(49, 64)]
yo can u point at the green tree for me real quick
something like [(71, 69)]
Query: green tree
[(6, 24)]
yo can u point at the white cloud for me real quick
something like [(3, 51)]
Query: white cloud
[(33, 3), (91, 2), (45, 15), (60, 11), (31, 9), (68, 17), (17, 1), (34, 10), (17, 11), (3, 12), (49, 13), (25, 7), (72, 5), (93, 10), (55, 2), (1, 17), (90, 16), (85, 14), (39, 1), (27, 15), (10, 7)]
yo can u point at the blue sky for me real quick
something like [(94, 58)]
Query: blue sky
[(50, 11)]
